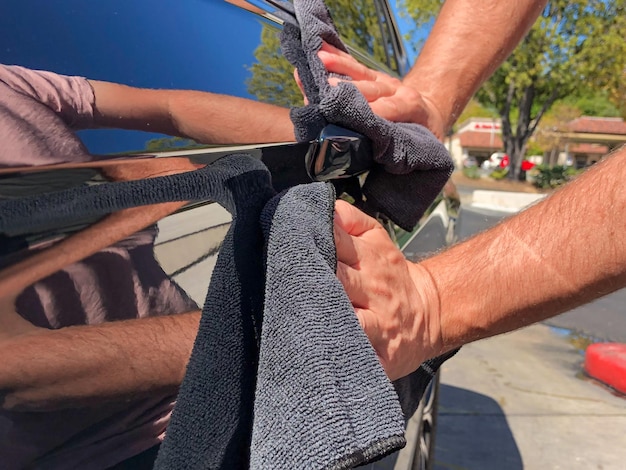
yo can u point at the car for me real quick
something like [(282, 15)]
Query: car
[(226, 47), (501, 160), (496, 160)]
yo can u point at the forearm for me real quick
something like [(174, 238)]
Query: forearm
[(205, 117), (212, 118), (558, 254), (467, 44), (69, 367)]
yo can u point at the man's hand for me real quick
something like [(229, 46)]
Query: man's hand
[(388, 97), (394, 299)]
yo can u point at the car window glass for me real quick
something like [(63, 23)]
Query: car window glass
[(189, 45), (364, 26)]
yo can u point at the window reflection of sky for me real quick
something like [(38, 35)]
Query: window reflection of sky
[(184, 44)]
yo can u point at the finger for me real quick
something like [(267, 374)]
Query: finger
[(373, 91), (346, 65), (347, 252), (352, 220), (296, 76), (327, 47)]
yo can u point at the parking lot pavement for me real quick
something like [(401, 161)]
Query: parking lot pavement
[(518, 401)]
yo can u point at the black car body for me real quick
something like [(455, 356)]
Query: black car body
[(228, 47)]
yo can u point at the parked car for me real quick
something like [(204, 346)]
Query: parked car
[(501, 160), (227, 47)]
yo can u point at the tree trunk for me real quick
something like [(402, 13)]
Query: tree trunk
[(518, 141), (515, 143)]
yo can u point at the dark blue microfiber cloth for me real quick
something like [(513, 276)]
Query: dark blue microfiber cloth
[(322, 400), (412, 165)]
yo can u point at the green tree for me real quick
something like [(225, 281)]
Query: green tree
[(550, 136), (271, 79), (574, 45), (475, 109), (592, 104), (357, 23)]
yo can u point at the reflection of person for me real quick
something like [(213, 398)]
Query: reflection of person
[(560, 253), (101, 390), (80, 104)]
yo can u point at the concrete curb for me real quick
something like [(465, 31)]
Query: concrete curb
[(504, 201), (606, 362)]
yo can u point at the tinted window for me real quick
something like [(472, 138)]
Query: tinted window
[(206, 45), (212, 45), (364, 25)]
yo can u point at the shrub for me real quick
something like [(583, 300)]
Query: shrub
[(553, 177), (499, 173), (471, 172)]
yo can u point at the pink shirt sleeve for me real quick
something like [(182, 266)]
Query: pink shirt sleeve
[(72, 98)]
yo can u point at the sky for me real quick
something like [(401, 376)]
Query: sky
[(406, 26)]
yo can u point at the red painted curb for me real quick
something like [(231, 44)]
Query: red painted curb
[(606, 362)]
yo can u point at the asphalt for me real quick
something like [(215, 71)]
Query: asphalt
[(521, 400), (601, 320)]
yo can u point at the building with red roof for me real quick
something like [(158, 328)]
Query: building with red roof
[(585, 140)]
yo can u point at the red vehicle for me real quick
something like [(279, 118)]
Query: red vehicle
[(526, 164)]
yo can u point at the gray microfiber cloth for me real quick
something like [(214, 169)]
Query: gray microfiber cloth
[(65, 207), (412, 165), (322, 399)]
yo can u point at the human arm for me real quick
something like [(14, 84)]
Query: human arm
[(80, 365), (68, 367), (53, 369), (203, 116), (560, 253), (468, 42), (199, 115)]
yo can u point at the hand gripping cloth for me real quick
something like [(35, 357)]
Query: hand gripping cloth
[(412, 165), (305, 390)]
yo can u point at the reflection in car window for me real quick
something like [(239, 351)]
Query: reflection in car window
[(271, 74), (136, 43), (364, 26)]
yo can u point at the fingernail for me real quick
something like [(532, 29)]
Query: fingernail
[(323, 54)]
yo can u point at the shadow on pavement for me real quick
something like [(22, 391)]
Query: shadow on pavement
[(473, 433), (472, 220)]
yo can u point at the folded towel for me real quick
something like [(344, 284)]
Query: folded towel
[(413, 165), (212, 420), (322, 399)]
